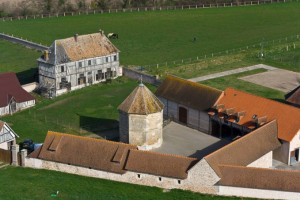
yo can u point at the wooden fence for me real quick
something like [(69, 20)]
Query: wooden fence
[(5, 156)]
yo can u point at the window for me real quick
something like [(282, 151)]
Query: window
[(115, 58), (106, 59), (90, 62), (139, 176), (159, 178), (80, 64), (179, 182), (62, 69)]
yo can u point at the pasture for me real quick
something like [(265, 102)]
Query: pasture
[(160, 36)]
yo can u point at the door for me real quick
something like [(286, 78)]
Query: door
[(13, 106), (297, 155), (182, 115)]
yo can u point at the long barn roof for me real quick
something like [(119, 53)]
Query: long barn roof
[(188, 93)]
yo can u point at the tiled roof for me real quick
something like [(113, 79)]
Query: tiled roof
[(159, 164), (86, 46), (287, 116), (10, 88), (86, 152), (141, 101), (260, 178), (293, 96), (190, 94), (1, 125), (247, 149)]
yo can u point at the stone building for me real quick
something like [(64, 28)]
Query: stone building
[(7, 136), (187, 102), (76, 62), (141, 118), (13, 97)]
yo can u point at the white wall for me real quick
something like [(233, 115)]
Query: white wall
[(263, 162), (4, 146)]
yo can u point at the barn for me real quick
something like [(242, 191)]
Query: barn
[(187, 102), (13, 97)]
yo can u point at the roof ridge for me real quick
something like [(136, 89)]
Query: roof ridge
[(88, 138), (287, 105), (242, 138), (145, 107), (164, 154)]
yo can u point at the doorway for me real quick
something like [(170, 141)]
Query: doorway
[(12, 106), (182, 115)]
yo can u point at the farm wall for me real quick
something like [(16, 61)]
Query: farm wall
[(257, 193), (135, 75), (195, 119), (201, 178)]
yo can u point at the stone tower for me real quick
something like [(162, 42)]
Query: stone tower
[(141, 119)]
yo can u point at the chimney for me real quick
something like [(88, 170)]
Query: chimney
[(76, 37), (101, 32), (46, 55)]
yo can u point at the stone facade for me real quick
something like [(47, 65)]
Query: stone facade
[(141, 129), (195, 118), (69, 76)]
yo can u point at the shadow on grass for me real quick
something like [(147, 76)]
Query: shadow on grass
[(28, 76), (105, 128)]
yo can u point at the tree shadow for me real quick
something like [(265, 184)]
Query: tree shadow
[(199, 154), (105, 128)]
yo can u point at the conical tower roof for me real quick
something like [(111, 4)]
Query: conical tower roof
[(141, 101)]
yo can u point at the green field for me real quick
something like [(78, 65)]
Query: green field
[(160, 36), (25, 183)]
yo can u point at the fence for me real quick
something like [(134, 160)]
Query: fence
[(202, 5), (23, 42), (5, 156)]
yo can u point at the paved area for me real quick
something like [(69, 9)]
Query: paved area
[(280, 165), (230, 72), (279, 79), (184, 141)]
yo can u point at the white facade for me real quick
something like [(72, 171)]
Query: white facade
[(69, 76), (19, 106), (7, 137)]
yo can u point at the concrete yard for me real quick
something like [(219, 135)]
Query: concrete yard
[(279, 165), (184, 141), (279, 79)]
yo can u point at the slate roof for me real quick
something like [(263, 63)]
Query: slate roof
[(83, 151), (141, 101), (190, 94), (287, 116), (87, 46), (10, 88), (159, 164), (247, 149), (260, 178), (293, 96)]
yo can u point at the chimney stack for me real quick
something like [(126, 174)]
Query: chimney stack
[(76, 37), (46, 55)]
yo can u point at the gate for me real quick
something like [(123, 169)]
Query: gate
[(5, 156)]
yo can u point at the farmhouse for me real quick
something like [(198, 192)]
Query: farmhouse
[(76, 62), (187, 102), (13, 97), (293, 97), (7, 136)]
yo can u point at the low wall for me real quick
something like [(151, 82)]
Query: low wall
[(23, 42), (135, 75), (30, 87)]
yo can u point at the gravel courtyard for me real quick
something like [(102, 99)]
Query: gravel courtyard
[(184, 141)]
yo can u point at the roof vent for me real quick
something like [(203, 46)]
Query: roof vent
[(76, 37)]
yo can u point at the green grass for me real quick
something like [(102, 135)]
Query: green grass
[(18, 59), (159, 36), (89, 110), (25, 183), (232, 81)]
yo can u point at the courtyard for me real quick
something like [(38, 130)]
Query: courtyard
[(184, 141)]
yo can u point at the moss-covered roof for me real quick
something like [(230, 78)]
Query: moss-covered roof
[(141, 101)]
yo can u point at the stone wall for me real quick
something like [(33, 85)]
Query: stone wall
[(135, 75), (257, 193)]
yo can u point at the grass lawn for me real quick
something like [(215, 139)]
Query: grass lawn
[(18, 59), (25, 183), (232, 81), (160, 36), (89, 110)]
